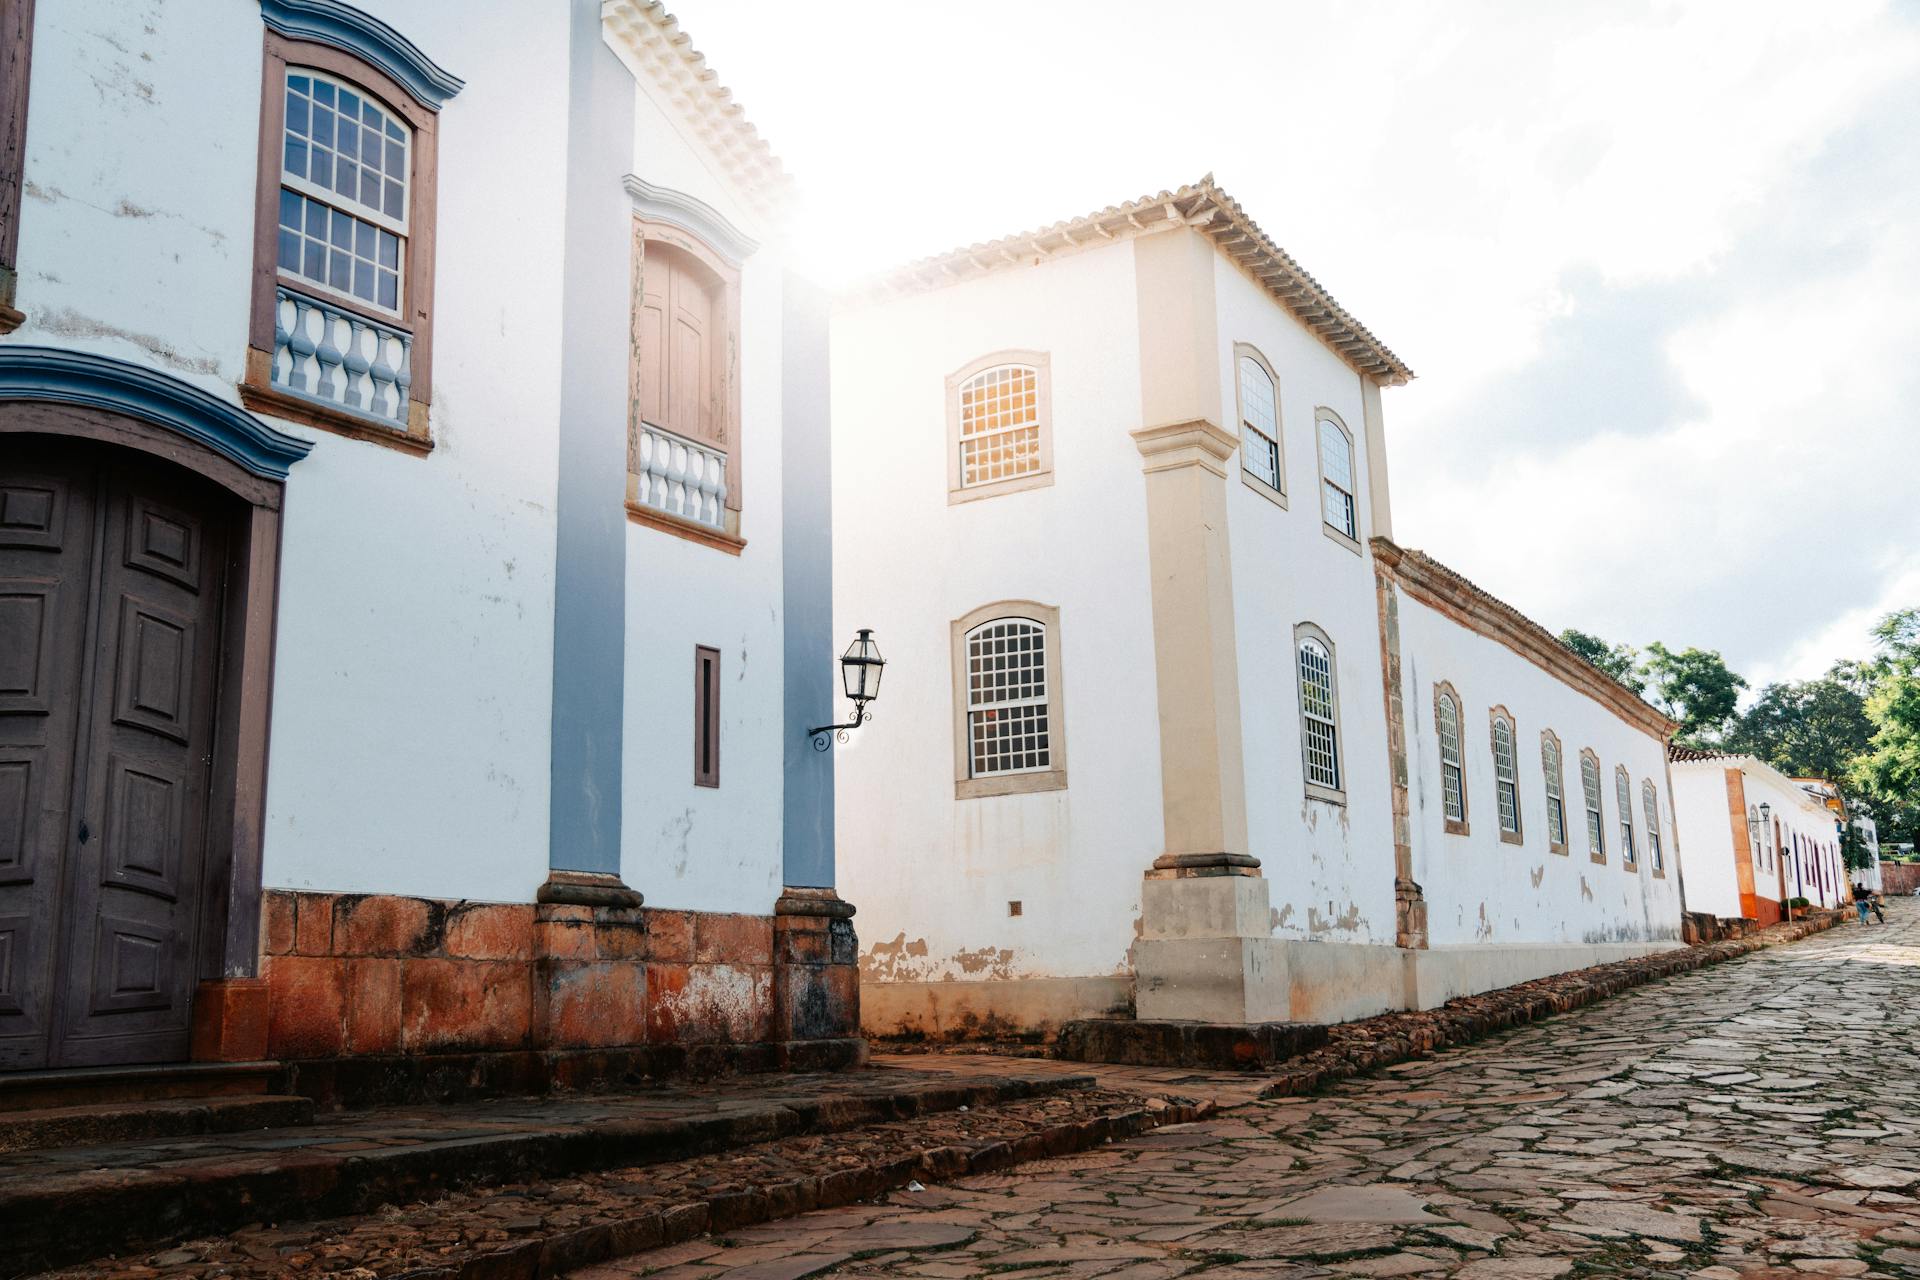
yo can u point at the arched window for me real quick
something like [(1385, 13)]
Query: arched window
[(1650, 801), (1590, 791), (683, 448), (1453, 782), (999, 431), (1623, 796), (1340, 514), (344, 181), (1319, 713), (1754, 836), (1008, 732), (1555, 785), (1506, 775), (1260, 456)]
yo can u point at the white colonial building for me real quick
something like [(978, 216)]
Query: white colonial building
[(1172, 724), (426, 398), (1755, 838)]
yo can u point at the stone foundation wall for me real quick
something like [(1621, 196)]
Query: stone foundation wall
[(351, 976), (1898, 879)]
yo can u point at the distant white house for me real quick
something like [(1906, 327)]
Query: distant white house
[(1172, 724), (1755, 839)]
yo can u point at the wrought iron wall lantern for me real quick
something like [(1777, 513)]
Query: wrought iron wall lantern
[(860, 670)]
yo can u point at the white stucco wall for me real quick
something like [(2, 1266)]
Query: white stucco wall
[(1795, 813), (412, 689), (1480, 889), (1707, 839), (1329, 866), (932, 876)]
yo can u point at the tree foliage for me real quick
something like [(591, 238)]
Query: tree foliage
[(1695, 688), (1621, 661), (1806, 728), (1889, 770)]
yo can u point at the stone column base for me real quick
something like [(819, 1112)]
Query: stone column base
[(1206, 951), (816, 976), (230, 1017)]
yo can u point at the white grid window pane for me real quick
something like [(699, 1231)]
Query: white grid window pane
[(1260, 424), (1556, 809), (1336, 475), (343, 198), (999, 425), (1318, 721), (1007, 722), (1451, 783), (1650, 799), (1590, 788), (1506, 780), (1623, 796)]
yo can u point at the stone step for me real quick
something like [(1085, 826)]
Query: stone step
[(103, 1123), (85, 1086), (79, 1203)]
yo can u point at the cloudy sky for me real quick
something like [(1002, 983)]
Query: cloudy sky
[(1657, 264)]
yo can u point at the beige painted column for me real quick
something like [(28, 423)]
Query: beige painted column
[(1206, 951), (1379, 503)]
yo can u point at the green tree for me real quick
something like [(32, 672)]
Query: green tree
[(1805, 729), (1889, 771), (1621, 661), (1694, 688)]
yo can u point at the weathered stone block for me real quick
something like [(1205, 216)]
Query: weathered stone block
[(490, 931), (386, 925), (230, 1020), (313, 924), (277, 934), (732, 939), (454, 1004), (373, 1005), (306, 1006), (709, 1003), (590, 1004)]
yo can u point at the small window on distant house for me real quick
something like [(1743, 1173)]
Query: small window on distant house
[(1506, 776), (999, 429), (1590, 791), (1650, 801), (706, 716), (1555, 783), (1319, 713), (1260, 456), (1623, 796), (1453, 781), (1341, 519), (1009, 732)]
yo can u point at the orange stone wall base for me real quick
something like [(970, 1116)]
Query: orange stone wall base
[(230, 1020), (816, 980)]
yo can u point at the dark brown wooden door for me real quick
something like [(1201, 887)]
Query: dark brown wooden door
[(112, 571)]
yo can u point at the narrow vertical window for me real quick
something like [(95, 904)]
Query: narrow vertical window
[(1623, 796), (706, 717), (1319, 713), (1506, 776), (1554, 784), (999, 434), (1338, 510), (1453, 784), (1590, 792), (1260, 457), (1650, 801)]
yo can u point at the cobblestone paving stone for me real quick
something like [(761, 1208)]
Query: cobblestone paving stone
[(1752, 1120)]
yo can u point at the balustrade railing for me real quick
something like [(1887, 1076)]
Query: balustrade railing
[(680, 477), (340, 359)]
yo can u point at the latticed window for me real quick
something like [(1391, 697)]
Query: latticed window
[(1336, 478), (1259, 424), (1590, 789), (343, 190), (1623, 795), (1000, 425), (1007, 728), (1650, 800), (1452, 783), (1506, 777), (1319, 718), (1556, 805)]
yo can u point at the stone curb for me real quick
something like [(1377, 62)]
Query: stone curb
[(71, 1218), (1390, 1039)]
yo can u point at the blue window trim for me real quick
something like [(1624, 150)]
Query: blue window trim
[(58, 376), (346, 28)]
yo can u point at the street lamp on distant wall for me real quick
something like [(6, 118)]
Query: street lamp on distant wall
[(861, 667)]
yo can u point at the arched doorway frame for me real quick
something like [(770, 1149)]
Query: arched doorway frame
[(51, 391)]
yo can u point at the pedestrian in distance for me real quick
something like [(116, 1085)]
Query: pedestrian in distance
[(1862, 899), (1873, 900)]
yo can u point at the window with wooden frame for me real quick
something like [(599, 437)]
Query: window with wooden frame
[(1340, 513), (706, 716), (1553, 781), (1320, 745), (1453, 776), (1650, 801), (1506, 774), (1623, 797), (683, 422), (341, 335), (999, 425), (1009, 732), (1262, 459), (1590, 792), (16, 61)]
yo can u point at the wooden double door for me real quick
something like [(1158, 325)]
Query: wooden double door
[(113, 569)]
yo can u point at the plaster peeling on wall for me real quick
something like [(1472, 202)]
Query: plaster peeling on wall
[(722, 1002), (678, 834), (1484, 931), (1586, 890), (1347, 921), (892, 961), (1539, 873), (985, 962), (1280, 919), (35, 191), (70, 324)]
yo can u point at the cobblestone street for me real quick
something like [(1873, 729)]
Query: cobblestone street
[(1756, 1118)]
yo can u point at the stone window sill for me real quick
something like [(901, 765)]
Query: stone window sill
[(681, 527), (280, 404), (1010, 784)]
